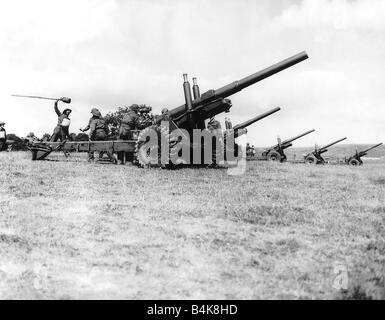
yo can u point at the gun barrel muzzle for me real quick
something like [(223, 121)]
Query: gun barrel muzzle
[(371, 148)]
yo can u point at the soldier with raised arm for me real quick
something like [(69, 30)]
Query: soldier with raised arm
[(61, 131)]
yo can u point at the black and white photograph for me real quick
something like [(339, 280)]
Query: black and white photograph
[(179, 150)]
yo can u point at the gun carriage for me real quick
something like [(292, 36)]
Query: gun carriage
[(276, 152), (315, 157), (355, 160)]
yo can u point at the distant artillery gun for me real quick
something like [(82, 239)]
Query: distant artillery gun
[(276, 152), (315, 157), (189, 116), (355, 160), (241, 128)]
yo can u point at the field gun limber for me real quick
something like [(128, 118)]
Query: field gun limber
[(276, 152), (355, 160), (315, 157), (197, 108)]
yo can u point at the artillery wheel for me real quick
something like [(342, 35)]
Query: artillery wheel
[(354, 162), (310, 160), (147, 157), (274, 156), (151, 157)]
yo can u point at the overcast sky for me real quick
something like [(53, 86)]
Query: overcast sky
[(109, 53)]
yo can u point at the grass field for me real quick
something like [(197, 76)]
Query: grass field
[(71, 230)]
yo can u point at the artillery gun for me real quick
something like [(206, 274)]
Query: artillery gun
[(183, 119), (315, 157), (355, 160), (276, 152), (193, 113)]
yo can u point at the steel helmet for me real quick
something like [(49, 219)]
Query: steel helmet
[(95, 112)]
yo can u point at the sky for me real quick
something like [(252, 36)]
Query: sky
[(110, 53)]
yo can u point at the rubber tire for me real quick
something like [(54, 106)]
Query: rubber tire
[(274, 156), (310, 160), (354, 162)]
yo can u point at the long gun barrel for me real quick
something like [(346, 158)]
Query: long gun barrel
[(332, 144), (237, 86), (288, 141), (255, 119), (371, 148)]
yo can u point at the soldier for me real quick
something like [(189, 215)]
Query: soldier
[(129, 122), (214, 126), (249, 150), (227, 124), (164, 116), (61, 131), (3, 136), (98, 132), (31, 138)]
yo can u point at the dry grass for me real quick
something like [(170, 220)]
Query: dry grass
[(73, 230)]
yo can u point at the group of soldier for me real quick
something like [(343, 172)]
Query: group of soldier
[(99, 129)]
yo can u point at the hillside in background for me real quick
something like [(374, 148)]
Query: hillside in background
[(337, 151)]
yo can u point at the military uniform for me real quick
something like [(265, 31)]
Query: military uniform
[(164, 116), (61, 131), (31, 138), (98, 132), (3, 137), (129, 122), (214, 126), (99, 129)]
